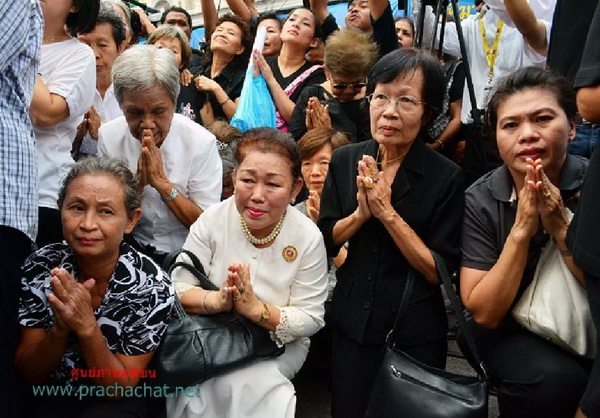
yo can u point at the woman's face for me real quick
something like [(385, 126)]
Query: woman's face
[(264, 188), (300, 28), (392, 124), (315, 168), (273, 40), (347, 88), (152, 109), (173, 45), (103, 44), (94, 216), (531, 124), (227, 39), (405, 33)]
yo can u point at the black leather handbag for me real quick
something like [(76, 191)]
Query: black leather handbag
[(407, 388), (196, 348)]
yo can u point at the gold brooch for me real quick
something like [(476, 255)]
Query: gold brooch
[(289, 253)]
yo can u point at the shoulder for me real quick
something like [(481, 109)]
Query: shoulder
[(481, 190), (138, 266), (352, 150), (46, 258), (191, 133)]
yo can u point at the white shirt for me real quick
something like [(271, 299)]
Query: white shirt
[(513, 51), (191, 162), (298, 287), (69, 70), (108, 109)]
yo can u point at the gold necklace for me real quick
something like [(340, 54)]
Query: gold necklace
[(265, 240), (388, 162)]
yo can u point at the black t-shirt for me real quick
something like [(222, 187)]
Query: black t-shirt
[(231, 80), (189, 102), (569, 32), (316, 77)]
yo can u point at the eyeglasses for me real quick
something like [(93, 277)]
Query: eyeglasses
[(344, 86), (402, 103)]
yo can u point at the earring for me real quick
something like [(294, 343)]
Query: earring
[(293, 201)]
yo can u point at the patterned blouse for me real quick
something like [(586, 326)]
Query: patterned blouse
[(132, 316)]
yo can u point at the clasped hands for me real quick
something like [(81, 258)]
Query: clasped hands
[(150, 169), (236, 293), (71, 302), (374, 192), (540, 200)]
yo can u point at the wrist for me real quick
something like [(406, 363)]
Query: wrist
[(164, 189), (87, 332), (59, 332), (256, 314)]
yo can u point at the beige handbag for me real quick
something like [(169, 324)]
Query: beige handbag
[(555, 306)]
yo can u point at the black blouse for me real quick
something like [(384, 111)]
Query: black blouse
[(428, 193), (317, 77), (231, 80)]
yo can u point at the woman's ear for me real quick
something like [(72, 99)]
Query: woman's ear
[(314, 43), (133, 220), (571, 130), (296, 189), (241, 50)]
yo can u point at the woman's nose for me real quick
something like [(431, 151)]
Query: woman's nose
[(89, 220), (528, 132)]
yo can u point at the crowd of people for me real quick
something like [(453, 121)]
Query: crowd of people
[(114, 154)]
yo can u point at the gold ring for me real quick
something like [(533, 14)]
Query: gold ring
[(242, 290), (368, 182), (236, 298)]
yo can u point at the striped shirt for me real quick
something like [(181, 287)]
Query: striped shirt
[(21, 30)]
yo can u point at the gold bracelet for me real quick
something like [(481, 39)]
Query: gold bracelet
[(224, 101), (204, 303)]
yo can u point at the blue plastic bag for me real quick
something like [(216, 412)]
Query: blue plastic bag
[(255, 108)]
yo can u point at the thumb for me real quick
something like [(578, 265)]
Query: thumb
[(89, 284)]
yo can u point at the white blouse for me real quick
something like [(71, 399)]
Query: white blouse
[(298, 287)]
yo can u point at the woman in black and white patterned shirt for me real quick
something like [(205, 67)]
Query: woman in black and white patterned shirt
[(93, 309)]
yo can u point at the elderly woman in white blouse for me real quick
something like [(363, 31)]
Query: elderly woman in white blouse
[(271, 262), (176, 160)]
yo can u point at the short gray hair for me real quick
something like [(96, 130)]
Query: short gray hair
[(115, 167), (142, 67), (123, 7), (107, 14)]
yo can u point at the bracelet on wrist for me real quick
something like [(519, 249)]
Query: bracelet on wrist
[(224, 101), (206, 311), (441, 143)]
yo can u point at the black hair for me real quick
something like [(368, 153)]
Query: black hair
[(529, 78), (177, 10), (269, 16), (247, 40), (405, 61), (107, 14), (83, 20)]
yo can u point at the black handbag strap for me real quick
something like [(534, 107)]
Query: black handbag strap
[(170, 263), (444, 276)]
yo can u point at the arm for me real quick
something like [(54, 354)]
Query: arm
[(489, 294), (47, 109), (241, 9), (284, 105), (588, 103), (453, 127), (319, 8), (40, 352), (206, 84), (151, 168), (532, 29), (377, 7), (209, 15)]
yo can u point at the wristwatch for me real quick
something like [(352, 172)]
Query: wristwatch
[(265, 315), (174, 193)]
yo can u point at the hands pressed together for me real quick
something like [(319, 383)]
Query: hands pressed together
[(71, 302), (150, 168), (317, 115), (540, 200), (374, 192), (236, 293)]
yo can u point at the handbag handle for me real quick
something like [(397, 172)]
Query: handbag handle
[(444, 276), (196, 268)]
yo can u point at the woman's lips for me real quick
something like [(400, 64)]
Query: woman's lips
[(87, 241), (533, 153), (255, 213)]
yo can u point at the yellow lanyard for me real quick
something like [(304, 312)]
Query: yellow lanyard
[(491, 53)]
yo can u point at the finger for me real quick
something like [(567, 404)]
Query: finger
[(56, 304), (59, 289), (89, 284)]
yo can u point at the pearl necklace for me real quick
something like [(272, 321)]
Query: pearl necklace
[(265, 240)]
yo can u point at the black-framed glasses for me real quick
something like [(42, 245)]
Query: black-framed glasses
[(402, 103), (344, 86)]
